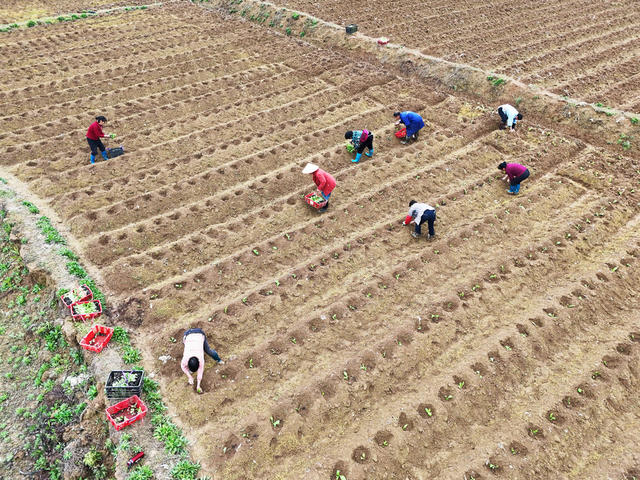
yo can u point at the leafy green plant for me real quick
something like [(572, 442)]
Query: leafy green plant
[(339, 476), (50, 233), (635, 121), (287, 31), (169, 434), (624, 141), (496, 81), (295, 15), (131, 355), (31, 207), (142, 472), (275, 423), (65, 252)]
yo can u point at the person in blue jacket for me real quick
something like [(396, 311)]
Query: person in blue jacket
[(412, 121)]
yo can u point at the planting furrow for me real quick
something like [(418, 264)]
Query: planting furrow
[(65, 90), (119, 215), (404, 378), (195, 118), (389, 207), (397, 371), (618, 92)]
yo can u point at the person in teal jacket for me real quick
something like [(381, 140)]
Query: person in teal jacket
[(412, 121), (360, 139)]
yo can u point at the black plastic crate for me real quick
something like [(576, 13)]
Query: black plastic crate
[(133, 387)]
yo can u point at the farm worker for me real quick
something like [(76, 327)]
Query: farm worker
[(360, 139), (509, 116), (195, 346), (515, 173), (412, 121), (94, 134), (418, 214), (324, 181)]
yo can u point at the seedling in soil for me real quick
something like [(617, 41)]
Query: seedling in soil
[(404, 427), (245, 435), (295, 15), (334, 317), (435, 316), (256, 252), (368, 295), (493, 276), (448, 397), (287, 236), (461, 385), (580, 390), (513, 451), (352, 307), (634, 121), (428, 412), (293, 340), (277, 283), (437, 252), (294, 276), (397, 276), (595, 375), (274, 423), (251, 363), (226, 309), (385, 444), (363, 367), (552, 417), (274, 248), (494, 467), (178, 285), (345, 375), (339, 476), (534, 431), (244, 300), (172, 340), (363, 456), (461, 294), (475, 287), (507, 347)]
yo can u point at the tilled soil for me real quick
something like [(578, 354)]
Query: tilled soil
[(505, 346)]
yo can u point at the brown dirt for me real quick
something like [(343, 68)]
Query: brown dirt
[(342, 326)]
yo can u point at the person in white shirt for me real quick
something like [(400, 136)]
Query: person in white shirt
[(509, 116), (418, 214), (195, 346)]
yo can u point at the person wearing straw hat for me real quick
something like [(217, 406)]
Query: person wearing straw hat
[(323, 180)]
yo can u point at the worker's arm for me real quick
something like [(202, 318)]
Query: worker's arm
[(407, 220), (186, 370), (200, 372)]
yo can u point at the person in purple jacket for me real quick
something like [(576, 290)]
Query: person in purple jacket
[(515, 174)]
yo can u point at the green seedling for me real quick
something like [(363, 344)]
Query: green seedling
[(494, 467), (461, 385), (251, 363), (295, 15), (513, 451), (428, 412), (475, 287), (334, 317), (552, 417), (172, 340), (580, 390), (534, 431), (178, 285), (595, 374), (405, 426), (385, 443), (461, 294), (275, 423), (339, 476), (493, 276), (293, 340), (435, 316), (507, 347), (277, 283), (256, 252), (345, 375), (244, 300), (448, 397), (363, 367), (287, 236)]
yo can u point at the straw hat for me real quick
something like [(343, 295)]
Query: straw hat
[(310, 168)]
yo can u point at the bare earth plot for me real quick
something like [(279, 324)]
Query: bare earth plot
[(507, 346), (586, 50)]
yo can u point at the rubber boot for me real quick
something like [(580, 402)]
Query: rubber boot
[(92, 158), (516, 189), (512, 190), (369, 153), (104, 155), (357, 159)]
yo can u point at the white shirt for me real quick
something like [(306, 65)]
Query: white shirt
[(511, 113)]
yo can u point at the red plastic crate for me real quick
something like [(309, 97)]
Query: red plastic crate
[(86, 316), (307, 198), (120, 420), (402, 133), (88, 296), (100, 334)]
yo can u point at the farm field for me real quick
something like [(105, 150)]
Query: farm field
[(584, 50), (507, 346)]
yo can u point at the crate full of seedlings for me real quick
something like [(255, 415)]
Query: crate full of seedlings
[(126, 412), (124, 383), (315, 200), (77, 295), (86, 310), (97, 338)]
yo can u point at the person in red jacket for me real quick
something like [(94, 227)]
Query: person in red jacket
[(324, 181), (94, 136)]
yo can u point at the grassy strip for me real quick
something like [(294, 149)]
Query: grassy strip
[(70, 18)]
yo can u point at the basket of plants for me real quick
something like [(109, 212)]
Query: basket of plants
[(81, 294), (349, 146), (86, 310), (97, 338), (124, 383), (315, 200), (402, 133), (126, 412)]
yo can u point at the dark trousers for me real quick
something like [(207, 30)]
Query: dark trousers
[(368, 143), (207, 349), (503, 116), (96, 145), (428, 216), (520, 178)]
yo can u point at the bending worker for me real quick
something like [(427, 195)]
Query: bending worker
[(515, 173), (509, 116), (360, 139), (324, 181), (195, 346), (412, 121), (94, 136), (418, 214)]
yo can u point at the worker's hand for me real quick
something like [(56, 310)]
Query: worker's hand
[(512, 130), (190, 380)]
